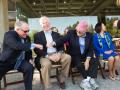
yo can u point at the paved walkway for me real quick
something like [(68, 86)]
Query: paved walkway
[(105, 84)]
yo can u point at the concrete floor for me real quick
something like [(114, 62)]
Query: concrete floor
[(105, 84)]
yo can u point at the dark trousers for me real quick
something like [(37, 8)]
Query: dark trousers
[(26, 68), (93, 66)]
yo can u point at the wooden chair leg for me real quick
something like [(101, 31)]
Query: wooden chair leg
[(116, 72), (42, 83), (72, 76), (0, 84), (41, 77), (58, 70), (4, 80), (101, 70), (73, 80)]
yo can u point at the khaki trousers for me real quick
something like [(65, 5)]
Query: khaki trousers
[(46, 68)]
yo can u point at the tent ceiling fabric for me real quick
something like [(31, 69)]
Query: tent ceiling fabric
[(55, 8)]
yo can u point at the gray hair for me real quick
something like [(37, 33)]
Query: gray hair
[(18, 24), (42, 19)]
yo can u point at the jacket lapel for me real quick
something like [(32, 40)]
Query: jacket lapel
[(53, 36), (86, 43), (78, 44), (43, 38), (18, 37)]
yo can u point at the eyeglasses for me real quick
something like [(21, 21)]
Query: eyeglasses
[(25, 31)]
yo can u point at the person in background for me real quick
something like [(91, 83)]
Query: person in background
[(66, 44), (50, 55), (105, 49), (54, 29), (81, 51), (116, 23), (16, 53)]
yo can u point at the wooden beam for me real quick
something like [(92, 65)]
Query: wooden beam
[(60, 4), (98, 9), (70, 5), (83, 5), (57, 6), (62, 8), (31, 9), (43, 5)]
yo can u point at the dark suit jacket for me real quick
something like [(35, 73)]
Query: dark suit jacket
[(39, 38), (74, 47), (28, 53), (12, 47)]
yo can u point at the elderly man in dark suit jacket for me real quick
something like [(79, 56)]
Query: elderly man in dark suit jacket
[(47, 56), (17, 52), (81, 50)]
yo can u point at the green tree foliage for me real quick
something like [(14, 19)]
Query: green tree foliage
[(72, 27), (91, 29), (109, 26), (31, 34)]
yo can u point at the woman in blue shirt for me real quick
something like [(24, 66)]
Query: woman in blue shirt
[(104, 47)]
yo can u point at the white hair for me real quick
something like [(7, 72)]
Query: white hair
[(18, 24), (42, 19)]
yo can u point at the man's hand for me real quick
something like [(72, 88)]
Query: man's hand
[(49, 45), (39, 46), (58, 56), (31, 61), (86, 63), (54, 57)]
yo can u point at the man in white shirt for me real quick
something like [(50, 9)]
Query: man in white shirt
[(50, 55)]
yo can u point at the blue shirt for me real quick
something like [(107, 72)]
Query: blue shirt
[(82, 44), (49, 39)]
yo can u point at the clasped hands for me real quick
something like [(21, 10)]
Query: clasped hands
[(108, 52), (54, 57), (49, 44)]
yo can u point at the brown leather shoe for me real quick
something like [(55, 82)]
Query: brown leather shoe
[(62, 85)]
